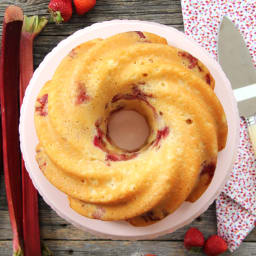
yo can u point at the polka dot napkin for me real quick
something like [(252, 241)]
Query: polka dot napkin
[(236, 205)]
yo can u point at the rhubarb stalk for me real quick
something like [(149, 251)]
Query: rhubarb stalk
[(1, 140), (9, 85), (32, 26)]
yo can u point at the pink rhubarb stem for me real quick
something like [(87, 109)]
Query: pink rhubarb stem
[(9, 85), (31, 231)]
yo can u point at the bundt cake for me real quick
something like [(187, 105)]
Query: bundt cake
[(132, 71)]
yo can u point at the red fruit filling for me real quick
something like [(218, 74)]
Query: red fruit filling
[(140, 94), (99, 212), (43, 108), (99, 142), (141, 34), (208, 79), (161, 134), (209, 168), (98, 139), (192, 60), (42, 166), (136, 94), (72, 54), (82, 96), (122, 157)]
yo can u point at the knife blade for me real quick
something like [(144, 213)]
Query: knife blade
[(235, 59)]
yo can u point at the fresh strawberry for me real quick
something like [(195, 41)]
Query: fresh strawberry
[(83, 6), (60, 10), (215, 245), (194, 239)]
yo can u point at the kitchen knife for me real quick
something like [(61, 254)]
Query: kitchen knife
[(235, 60)]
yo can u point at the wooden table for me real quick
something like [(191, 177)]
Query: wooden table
[(61, 237)]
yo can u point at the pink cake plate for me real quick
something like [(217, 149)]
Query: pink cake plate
[(121, 229)]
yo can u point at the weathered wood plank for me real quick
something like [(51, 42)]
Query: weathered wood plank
[(119, 7), (124, 248), (162, 11)]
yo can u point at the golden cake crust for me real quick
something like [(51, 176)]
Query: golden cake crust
[(136, 71)]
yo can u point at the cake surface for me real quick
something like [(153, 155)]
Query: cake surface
[(134, 71)]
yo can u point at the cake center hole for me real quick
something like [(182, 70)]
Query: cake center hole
[(128, 130)]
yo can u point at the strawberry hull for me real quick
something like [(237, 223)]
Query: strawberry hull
[(60, 10)]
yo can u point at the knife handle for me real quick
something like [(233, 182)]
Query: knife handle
[(251, 123)]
